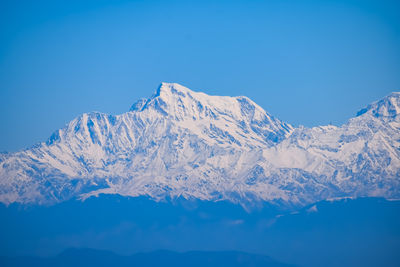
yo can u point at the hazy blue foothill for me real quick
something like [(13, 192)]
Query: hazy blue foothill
[(360, 232), (99, 258)]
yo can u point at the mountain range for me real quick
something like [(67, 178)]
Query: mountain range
[(185, 144)]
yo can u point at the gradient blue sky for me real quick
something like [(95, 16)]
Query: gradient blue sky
[(306, 62)]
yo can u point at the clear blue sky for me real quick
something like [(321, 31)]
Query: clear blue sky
[(306, 62)]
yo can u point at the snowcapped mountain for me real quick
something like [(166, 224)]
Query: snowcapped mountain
[(181, 143)]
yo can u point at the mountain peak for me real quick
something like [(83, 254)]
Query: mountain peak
[(172, 88), (179, 102), (164, 93), (387, 107), (210, 116)]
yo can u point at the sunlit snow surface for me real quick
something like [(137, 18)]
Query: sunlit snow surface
[(181, 143)]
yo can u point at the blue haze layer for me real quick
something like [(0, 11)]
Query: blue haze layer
[(360, 232)]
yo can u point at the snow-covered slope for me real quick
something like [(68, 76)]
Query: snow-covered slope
[(181, 143)]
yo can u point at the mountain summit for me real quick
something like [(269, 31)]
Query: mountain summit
[(186, 107), (181, 143), (388, 107)]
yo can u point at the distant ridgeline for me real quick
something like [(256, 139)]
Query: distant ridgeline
[(99, 258), (185, 144)]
